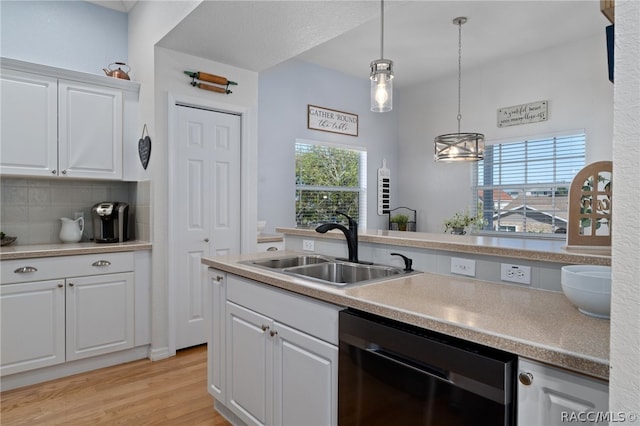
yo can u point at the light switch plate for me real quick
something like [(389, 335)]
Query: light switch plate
[(463, 266), (308, 245)]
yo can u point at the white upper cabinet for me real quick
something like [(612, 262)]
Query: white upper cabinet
[(29, 123), (59, 123), (89, 131)]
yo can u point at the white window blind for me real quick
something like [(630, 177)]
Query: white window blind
[(329, 178), (524, 186)]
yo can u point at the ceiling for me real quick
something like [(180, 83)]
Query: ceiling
[(419, 35)]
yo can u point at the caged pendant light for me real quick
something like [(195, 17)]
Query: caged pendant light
[(381, 75), (453, 147)]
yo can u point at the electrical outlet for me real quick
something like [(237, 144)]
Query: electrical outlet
[(515, 273), (463, 266), (308, 245)]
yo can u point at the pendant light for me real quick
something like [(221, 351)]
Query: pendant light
[(381, 75), (453, 147)]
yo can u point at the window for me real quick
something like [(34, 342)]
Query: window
[(524, 186), (329, 178)]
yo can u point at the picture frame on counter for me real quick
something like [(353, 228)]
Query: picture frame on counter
[(332, 120)]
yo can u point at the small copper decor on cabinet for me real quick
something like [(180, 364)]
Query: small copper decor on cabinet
[(119, 72)]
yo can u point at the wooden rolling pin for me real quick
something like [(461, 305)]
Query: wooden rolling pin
[(212, 88), (211, 78)]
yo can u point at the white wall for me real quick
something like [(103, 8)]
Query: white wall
[(74, 35), (285, 91), (625, 299), (572, 77)]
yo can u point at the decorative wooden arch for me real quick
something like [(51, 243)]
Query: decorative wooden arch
[(590, 204)]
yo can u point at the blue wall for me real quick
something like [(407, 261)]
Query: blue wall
[(74, 35), (284, 92)]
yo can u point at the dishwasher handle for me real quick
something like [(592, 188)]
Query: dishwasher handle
[(429, 370)]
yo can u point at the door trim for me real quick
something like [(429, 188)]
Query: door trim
[(248, 185)]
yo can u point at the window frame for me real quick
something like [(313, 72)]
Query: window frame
[(362, 179), (477, 187)]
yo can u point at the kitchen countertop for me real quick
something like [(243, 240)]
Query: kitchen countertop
[(547, 250), (30, 251), (535, 324), (270, 238)]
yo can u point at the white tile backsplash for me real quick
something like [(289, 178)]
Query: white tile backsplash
[(31, 208)]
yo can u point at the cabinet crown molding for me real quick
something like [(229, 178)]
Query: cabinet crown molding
[(100, 80)]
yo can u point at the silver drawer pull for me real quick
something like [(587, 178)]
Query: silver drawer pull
[(25, 269), (101, 263)]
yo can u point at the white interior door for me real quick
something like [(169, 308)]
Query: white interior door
[(206, 211)]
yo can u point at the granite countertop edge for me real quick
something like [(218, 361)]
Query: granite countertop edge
[(31, 251), (592, 364), (546, 250)]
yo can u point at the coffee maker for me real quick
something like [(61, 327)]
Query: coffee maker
[(110, 222)]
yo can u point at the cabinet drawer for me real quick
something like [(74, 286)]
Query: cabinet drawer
[(310, 316), (47, 268)]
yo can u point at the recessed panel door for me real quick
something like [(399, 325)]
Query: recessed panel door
[(206, 211)]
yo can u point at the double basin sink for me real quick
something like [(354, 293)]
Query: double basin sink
[(329, 270)]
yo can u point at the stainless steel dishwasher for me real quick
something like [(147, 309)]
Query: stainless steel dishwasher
[(391, 373)]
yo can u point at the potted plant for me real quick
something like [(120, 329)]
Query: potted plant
[(401, 221), (459, 222)]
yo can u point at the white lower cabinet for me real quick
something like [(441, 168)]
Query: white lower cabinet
[(32, 325), (48, 322), (99, 315), (551, 396), (280, 354)]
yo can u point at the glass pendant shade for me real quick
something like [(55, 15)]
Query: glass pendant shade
[(381, 85), (454, 147)]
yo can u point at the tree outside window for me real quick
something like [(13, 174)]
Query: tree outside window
[(328, 178)]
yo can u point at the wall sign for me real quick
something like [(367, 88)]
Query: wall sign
[(331, 120), (523, 114)]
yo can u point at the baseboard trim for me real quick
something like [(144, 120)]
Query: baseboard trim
[(156, 354)]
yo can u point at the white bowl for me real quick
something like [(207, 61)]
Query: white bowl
[(588, 287)]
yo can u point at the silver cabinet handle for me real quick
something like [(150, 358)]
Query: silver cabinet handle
[(206, 240), (272, 248), (273, 333), (25, 269), (525, 378), (64, 172), (71, 284), (219, 278), (54, 171), (264, 327), (60, 286), (101, 263)]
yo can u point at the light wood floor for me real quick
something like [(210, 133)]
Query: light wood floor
[(172, 391)]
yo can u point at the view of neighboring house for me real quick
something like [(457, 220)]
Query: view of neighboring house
[(530, 211)]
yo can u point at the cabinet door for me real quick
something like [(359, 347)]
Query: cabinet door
[(99, 314), (559, 397), (305, 379), (32, 325), (90, 131), (249, 363), (29, 124), (215, 344)]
